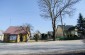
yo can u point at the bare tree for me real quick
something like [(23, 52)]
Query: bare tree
[(54, 9), (62, 24), (27, 28)]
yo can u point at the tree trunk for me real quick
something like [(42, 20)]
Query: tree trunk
[(54, 29), (54, 35)]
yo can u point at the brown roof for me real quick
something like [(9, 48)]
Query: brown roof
[(15, 30)]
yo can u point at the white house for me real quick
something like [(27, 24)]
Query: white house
[(1, 35)]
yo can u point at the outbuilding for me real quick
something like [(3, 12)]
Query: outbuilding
[(16, 34)]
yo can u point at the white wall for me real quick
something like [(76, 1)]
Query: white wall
[(1, 37)]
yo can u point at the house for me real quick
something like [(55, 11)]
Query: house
[(68, 30), (44, 36), (16, 34), (73, 31), (1, 35), (50, 34)]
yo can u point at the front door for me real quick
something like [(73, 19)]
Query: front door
[(21, 37)]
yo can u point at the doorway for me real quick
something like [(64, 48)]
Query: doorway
[(21, 37)]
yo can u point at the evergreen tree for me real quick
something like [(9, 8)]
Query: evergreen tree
[(81, 25), (80, 22)]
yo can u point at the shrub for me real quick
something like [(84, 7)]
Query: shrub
[(72, 37), (60, 38), (36, 37), (44, 37), (68, 37)]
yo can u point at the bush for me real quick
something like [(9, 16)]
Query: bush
[(68, 37), (60, 38), (72, 38), (44, 36), (36, 37)]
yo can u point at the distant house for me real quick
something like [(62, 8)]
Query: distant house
[(15, 34), (44, 36), (73, 31), (1, 35), (68, 30), (50, 34)]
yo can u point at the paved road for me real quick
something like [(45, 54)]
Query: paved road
[(41, 47)]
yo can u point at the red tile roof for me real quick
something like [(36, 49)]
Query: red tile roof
[(15, 30)]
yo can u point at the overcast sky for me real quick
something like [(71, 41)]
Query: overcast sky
[(18, 12)]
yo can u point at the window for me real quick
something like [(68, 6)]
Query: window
[(13, 37)]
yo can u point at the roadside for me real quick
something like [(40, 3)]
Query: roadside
[(32, 42), (50, 47)]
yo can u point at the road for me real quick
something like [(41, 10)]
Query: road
[(41, 47)]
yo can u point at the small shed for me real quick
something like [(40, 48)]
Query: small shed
[(16, 34)]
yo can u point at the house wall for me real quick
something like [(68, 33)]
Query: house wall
[(1, 37), (67, 33), (24, 36), (18, 38), (73, 32), (7, 38), (28, 37), (59, 31)]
